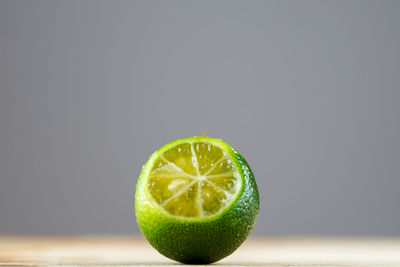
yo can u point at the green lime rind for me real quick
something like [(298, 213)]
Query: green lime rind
[(200, 240)]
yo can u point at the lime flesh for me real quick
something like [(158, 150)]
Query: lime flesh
[(193, 180)]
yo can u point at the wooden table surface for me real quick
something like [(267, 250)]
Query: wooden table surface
[(135, 251)]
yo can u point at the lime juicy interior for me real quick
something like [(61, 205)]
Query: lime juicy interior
[(193, 180)]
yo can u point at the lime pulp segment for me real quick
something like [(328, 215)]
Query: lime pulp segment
[(193, 180)]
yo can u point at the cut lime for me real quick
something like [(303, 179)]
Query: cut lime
[(196, 200)]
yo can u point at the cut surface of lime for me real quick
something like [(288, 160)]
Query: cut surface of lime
[(193, 180)]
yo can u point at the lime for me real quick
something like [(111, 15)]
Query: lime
[(196, 200)]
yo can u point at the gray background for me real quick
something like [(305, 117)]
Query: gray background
[(307, 91)]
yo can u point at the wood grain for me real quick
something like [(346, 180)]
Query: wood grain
[(135, 251)]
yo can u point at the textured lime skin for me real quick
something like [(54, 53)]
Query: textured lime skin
[(202, 240)]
